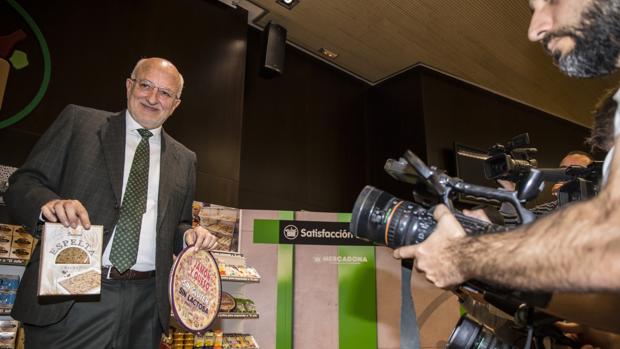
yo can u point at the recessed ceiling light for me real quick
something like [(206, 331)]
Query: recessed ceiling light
[(289, 4), (328, 53)]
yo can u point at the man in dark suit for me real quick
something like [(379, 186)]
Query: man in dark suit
[(91, 166)]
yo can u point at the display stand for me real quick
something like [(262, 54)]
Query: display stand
[(10, 266), (235, 275)]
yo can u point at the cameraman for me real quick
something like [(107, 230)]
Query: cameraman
[(572, 249)]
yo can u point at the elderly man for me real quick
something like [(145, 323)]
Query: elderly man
[(94, 167), (574, 249)]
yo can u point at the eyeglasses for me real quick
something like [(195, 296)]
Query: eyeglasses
[(164, 94)]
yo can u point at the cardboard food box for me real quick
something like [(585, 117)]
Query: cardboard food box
[(6, 236), (70, 260), (22, 244)]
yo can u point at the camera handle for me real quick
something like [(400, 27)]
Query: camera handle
[(510, 197), (445, 184)]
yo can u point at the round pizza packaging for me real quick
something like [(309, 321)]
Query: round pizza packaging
[(195, 290), (228, 302)]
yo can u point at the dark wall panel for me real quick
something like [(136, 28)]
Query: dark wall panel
[(454, 111), (458, 112), (395, 123), (93, 48), (303, 136)]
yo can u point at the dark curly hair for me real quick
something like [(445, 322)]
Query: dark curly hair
[(602, 134)]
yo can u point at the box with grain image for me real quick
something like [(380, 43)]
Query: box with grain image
[(70, 260)]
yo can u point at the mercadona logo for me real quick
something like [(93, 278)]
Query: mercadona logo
[(291, 232)]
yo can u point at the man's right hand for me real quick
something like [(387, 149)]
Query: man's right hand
[(436, 257), (478, 214), (508, 185), (68, 212)]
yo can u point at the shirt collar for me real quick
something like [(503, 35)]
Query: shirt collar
[(132, 126)]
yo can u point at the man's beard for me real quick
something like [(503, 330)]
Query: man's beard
[(597, 41)]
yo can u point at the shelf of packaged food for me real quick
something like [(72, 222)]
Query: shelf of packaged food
[(5, 311), (13, 261), (175, 324), (233, 315), (240, 279), (229, 340)]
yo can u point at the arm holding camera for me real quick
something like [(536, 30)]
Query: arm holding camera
[(574, 249)]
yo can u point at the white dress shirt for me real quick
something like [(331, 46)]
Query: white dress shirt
[(146, 248)]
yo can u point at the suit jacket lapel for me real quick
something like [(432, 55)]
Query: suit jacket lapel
[(113, 143), (168, 160)]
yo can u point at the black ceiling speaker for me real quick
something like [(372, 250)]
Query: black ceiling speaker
[(273, 45)]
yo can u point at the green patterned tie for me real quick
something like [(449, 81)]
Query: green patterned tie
[(127, 236)]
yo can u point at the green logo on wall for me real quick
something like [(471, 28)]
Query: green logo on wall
[(11, 59)]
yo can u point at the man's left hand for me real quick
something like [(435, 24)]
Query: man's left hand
[(201, 238), (435, 257)]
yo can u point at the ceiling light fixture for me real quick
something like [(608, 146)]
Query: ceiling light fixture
[(328, 53), (289, 4)]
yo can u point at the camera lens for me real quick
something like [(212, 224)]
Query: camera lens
[(469, 334), (387, 220)]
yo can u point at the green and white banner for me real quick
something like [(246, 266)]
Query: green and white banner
[(356, 276)]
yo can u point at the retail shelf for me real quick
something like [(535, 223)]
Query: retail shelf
[(13, 261), (5, 311), (240, 279), (233, 315)]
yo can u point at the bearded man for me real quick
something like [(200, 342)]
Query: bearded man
[(573, 249)]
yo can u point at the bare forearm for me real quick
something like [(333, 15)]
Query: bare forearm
[(577, 248)]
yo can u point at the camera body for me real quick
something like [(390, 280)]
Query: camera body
[(512, 161)]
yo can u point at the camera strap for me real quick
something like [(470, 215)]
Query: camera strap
[(409, 331)]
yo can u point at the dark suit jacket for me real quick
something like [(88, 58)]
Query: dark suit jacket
[(81, 156)]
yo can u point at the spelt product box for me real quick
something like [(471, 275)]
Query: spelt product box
[(70, 260)]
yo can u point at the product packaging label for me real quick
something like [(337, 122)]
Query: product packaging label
[(195, 290), (70, 260)]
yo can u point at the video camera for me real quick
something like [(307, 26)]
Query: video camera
[(512, 161), (384, 219)]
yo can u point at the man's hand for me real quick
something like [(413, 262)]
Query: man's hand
[(589, 338), (201, 238), (478, 214), (435, 257), (508, 185), (68, 212)]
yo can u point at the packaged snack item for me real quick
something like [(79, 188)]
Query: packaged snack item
[(7, 299), (218, 343), (70, 260), (199, 342), (22, 243), (6, 236), (252, 272), (7, 339), (250, 307), (9, 282), (240, 308), (209, 340), (251, 342), (9, 325), (228, 302)]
